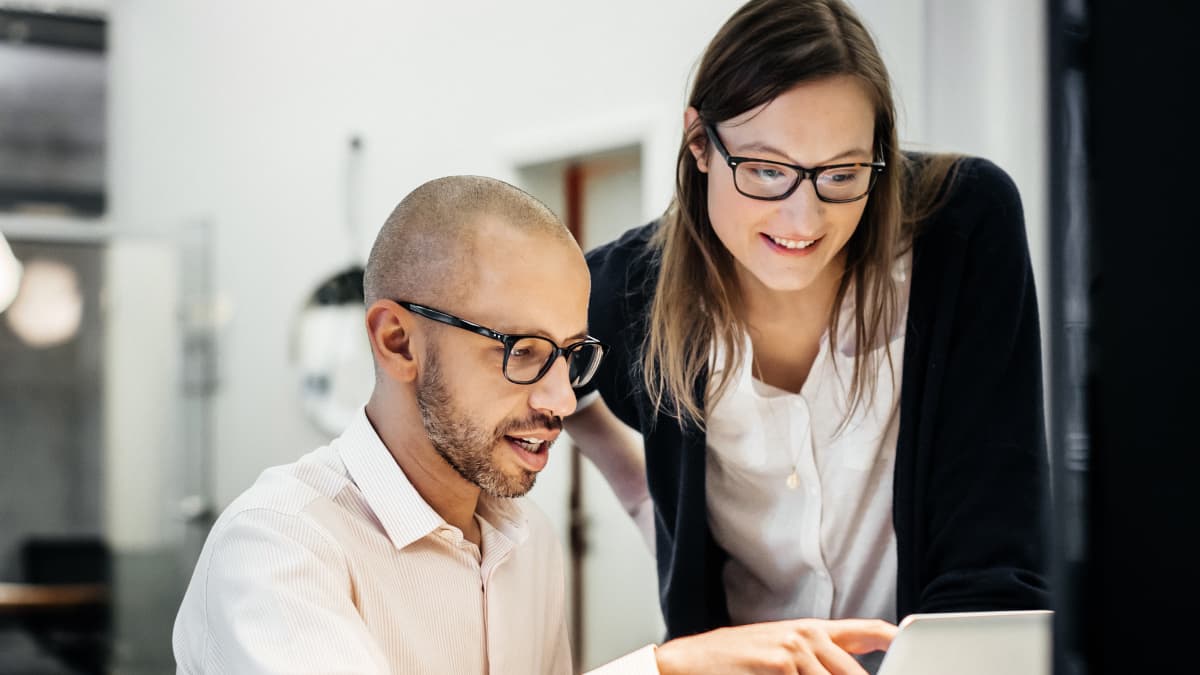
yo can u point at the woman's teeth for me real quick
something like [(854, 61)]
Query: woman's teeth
[(792, 243)]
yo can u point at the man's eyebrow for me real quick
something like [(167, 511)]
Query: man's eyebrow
[(541, 333)]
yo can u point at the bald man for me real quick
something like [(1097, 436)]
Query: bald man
[(405, 546)]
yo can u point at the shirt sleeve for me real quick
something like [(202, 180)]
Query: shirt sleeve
[(276, 598), (641, 662), (604, 316)]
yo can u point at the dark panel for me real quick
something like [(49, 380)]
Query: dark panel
[(1068, 322), (1139, 591)]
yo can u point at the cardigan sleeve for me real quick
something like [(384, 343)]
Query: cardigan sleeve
[(987, 489), (616, 311)]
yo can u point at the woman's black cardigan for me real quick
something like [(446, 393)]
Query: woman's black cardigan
[(970, 503)]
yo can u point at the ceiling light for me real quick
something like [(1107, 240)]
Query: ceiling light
[(48, 306)]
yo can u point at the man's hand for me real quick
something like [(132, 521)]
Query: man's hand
[(796, 647)]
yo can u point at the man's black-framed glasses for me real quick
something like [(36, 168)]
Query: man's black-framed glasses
[(771, 181), (527, 357)]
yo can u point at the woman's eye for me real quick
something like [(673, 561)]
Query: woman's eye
[(764, 173)]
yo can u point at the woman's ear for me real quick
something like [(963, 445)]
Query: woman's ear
[(697, 140), (389, 328)]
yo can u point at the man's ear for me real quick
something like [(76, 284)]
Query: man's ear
[(389, 328), (697, 139)]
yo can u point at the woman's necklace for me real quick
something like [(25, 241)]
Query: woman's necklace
[(793, 479)]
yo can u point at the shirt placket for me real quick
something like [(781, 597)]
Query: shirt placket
[(802, 437), (468, 554), (496, 549)]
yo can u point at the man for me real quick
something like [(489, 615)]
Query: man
[(404, 545)]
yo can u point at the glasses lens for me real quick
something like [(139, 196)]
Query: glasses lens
[(844, 183), (527, 357), (583, 361), (764, 179)]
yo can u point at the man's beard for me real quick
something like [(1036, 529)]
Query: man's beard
[(464, 445)]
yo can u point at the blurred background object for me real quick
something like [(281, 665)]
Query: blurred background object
[(53, 86), (10, 274), (78, 631), (48, 305), (329, 349)]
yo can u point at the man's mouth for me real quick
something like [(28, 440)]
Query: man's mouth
[(532, 450), (532, 445)]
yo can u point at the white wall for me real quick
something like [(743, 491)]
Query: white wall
[(238, 112), (985, 94)]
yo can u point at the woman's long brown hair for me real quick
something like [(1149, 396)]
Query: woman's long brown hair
[(766, 48)]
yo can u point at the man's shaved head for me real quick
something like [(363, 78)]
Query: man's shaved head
[(482, 250), (424, 251)]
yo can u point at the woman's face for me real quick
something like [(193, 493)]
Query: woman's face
[(790, 244)]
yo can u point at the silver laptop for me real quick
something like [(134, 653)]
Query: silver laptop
[(972, 643)]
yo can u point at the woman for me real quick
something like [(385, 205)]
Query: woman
[(830, 349)]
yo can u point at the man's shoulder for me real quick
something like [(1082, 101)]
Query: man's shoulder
[(288, 492)]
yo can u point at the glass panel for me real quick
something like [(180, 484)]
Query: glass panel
[(105, 427)]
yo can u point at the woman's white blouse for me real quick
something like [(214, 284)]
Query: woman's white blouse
[(826, 548)]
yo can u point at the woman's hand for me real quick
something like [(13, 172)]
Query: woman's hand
[(795, 647)]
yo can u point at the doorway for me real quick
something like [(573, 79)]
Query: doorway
[(612, 589)]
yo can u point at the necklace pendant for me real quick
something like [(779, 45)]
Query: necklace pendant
[(793, 480)]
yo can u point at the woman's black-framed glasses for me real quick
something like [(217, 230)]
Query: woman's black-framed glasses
[(771, 181), (527, 357)]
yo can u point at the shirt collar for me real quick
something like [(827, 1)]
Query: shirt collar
[(405, 516), (506, 515)]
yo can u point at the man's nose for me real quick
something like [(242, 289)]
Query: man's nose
[(553, 393)]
